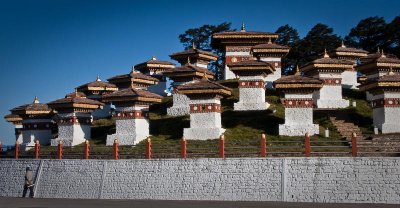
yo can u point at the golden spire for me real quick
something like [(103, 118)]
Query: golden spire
[(153, 58), (98, 78), (297, 71), (36, 100), (204, 77), (193, 45), (343, 46), (326, 54), (383, 54), (188, 60), (391, 71), (243, 29)]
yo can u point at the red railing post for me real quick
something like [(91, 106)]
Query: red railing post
[(37, 149), (183, 148), (1, 149), (86, 150), (307, 145), (148, 148), (263, 146), (60, 150), (354, 148), (17, 150), (115, 149), (222, 146)]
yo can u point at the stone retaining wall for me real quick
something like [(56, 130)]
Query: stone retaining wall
[(354, 180)]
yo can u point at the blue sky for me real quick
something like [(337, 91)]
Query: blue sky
[(48, 47)]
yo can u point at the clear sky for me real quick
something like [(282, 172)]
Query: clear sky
[(48, 47)]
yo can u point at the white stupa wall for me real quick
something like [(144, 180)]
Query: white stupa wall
[(180, 106), (330, 95), (36, 129), (204, 124), (298, 116), (386, 112), (133, 129), (228, 74), (349, 80), (251, 98), (276, 63), (70, 131), (18, 133), (373, 76)]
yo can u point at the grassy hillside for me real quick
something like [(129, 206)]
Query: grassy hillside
[(243, 127)]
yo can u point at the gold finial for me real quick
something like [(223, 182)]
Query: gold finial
[(36, 100), (343, 46), (153, 58), (269, 41), (204, 77), (383, 54), (193, 45), (188, 60), (98, 78), (243, 29), (391, 71), (326, 54), (297, 71)]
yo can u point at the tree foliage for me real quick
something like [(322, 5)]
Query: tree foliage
[(369, 34), (201, 37), (290, 37)]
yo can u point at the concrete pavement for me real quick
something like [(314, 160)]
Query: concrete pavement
[(95, 203)]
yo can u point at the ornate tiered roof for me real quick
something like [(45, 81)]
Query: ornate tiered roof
[(346, 52), (241, 37), (188, 72), (154, 65), (133, 79), (378, 62), (15, 119), (203, 87), (390, 81), (194, 55), (251, 67), (75, 102), (35, 108), (97, 87), (132, 95), (327, 63), (297, 82), (269, 48)]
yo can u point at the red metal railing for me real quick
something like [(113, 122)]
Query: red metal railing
[(220, 148)]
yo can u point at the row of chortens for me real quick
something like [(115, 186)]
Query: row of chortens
[(252, 57)]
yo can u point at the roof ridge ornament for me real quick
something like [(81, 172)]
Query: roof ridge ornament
[(133, 70), (36, 100), (383, 54), (343, 46), (391, 71), (242, 29), (188, 60), (194, 45), (153, 58), (98, 78), (269, 41), (326, 54), (297, 71)]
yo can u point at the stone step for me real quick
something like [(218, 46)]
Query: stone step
[(345, 128)]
